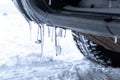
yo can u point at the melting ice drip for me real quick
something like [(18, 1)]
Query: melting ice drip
[(54, 33), (57, 33)]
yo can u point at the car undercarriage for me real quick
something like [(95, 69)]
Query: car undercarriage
[(95, 24)]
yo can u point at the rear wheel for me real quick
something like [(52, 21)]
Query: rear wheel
[(96, 52)]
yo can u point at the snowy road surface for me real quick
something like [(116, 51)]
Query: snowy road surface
[(20, 57)]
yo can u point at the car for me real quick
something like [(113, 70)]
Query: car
[(95, 24)]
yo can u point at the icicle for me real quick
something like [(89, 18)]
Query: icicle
[(56, 41), (115, 39), (57, 45), (64, 33), (52, 34), (55, 34), (30, 25), (50, 2), (60, 32), (42, 37), (49, 31), (38, 41)]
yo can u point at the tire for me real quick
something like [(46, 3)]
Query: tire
[(96, 52)]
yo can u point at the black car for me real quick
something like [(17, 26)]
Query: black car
[(95, 24)]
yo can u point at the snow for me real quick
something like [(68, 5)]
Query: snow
[(21, 58)]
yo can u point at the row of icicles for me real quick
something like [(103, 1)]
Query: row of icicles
[(53, 33)]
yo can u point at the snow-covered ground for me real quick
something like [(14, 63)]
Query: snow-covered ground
[(21, 58)]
